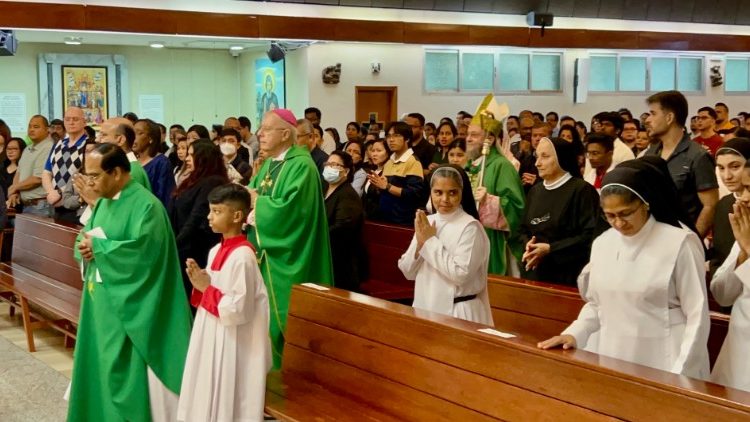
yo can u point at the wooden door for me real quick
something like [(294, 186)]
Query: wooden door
[(376, 102)]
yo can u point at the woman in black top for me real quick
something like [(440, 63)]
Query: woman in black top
[(13, 150), (188, 209), (561, 219), (345, 218), (379, 153)]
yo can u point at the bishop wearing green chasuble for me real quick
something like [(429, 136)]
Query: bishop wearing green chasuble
[(135, 321), (288, 224), (502, 182)]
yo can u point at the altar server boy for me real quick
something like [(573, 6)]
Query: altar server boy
[(230, 352)]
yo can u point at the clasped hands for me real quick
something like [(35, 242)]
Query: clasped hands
[(199, 278), (534, 253), (379, 181), (423, 230), (85, 247), (739, 219)]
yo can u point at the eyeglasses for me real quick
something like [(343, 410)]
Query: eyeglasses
[(93, 178), (331, 164), (624, 216), (268, 129)]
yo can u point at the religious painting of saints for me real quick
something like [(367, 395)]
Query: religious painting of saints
[(86, 87), (269, 87)]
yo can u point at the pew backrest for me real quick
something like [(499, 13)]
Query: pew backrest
[(410, 362)]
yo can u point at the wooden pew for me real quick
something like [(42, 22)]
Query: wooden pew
[(43, 273), (6, 236), (353, 357), (543, 310), (384, 245)]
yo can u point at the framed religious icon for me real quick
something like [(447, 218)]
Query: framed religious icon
[(86, 87), (269, 87)]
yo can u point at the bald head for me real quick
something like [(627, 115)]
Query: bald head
[(232, 122), (117, 131), (74, 122)]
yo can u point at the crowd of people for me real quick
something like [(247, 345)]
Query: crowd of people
[(627, 210)]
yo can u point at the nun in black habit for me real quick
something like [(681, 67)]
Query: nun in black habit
[(561, 219)]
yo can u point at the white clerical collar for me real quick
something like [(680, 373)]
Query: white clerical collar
[(450, 216), (132, 157), (642, 233), (281, 156), (478, 161), (402, 159), (557, 183)]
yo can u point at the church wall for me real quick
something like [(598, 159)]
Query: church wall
[(403, 65), (198, 86)]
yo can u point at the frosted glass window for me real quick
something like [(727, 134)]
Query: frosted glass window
[(737, 75), (602, 73), (545, 72), (478, 71), (514, 72), (662, 73), (632, 73), (690, 77), (441, 71)]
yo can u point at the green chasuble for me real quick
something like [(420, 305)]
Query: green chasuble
[(138, 175), (290, 233), (501, 179), (134, 312)]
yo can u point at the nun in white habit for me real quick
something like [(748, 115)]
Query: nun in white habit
[(449, 254), (644, 286), (731, 287)]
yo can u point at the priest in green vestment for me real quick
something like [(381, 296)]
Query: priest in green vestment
[(119, 131), (501, 181), (288, 224), (135, 321)]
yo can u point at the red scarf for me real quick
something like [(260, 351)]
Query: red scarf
[(226, 248)]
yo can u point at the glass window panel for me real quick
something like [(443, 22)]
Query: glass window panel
[(545, 72), (690, 77), (737, 75), (602, 73), (662, 73), (514, 72), (441, 71), (478, 71), (632, 74)]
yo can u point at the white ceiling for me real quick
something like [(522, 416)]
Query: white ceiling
[(113, 38)]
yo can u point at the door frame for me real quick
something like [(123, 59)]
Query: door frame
[(394, 98)]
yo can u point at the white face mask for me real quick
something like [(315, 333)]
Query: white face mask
[(331, 174), (227, 149)]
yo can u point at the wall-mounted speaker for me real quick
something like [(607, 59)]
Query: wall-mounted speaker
[(8, 43), (276, 52)]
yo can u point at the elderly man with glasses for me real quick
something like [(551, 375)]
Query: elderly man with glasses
[(288, 225)]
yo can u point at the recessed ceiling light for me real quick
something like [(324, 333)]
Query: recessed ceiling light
[(73, 40), (236, 48), (156, 44)]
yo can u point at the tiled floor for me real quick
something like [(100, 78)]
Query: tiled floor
[(49, 343)]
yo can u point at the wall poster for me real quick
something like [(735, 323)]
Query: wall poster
[(86, 87), (269, 87)]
